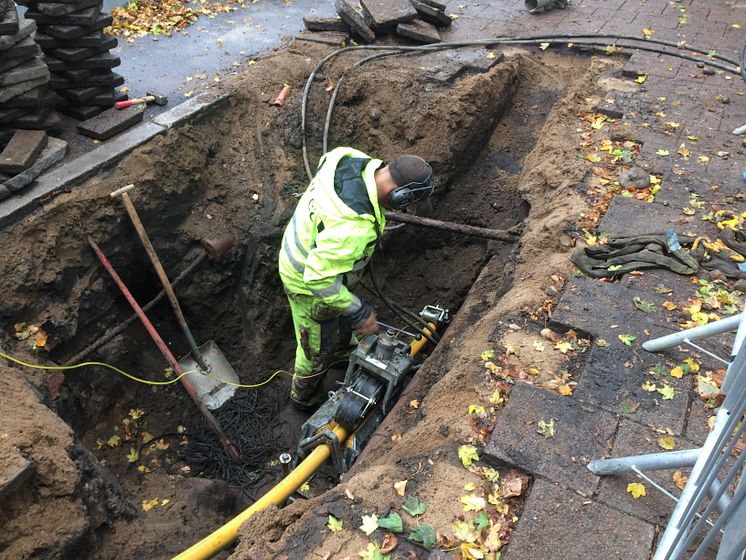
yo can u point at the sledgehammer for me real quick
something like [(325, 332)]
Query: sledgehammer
[(150, 97)]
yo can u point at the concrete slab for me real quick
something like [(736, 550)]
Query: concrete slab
[(14, 474), (40, 119), (86, 16), (81, 112), (629, 216), (9, 115), (91, 40), (79, 95), (557, 523), (110, 123), (13, 62), (25, 28), (22, 151), (581, 433), (25, 46), (103, 61), (8, 17), (431, 14), (319, 23), (76, 171), (382, 14), (62, 9), (71, 32), (9, 92), (331, 38), (655, 507), (31, 70), (104, 99), (79, 54), (419, 31), (101, 79), (355, 21), (37, 97), (190, 110), (52, 154), (449, 66)]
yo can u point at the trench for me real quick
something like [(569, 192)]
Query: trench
[(246, 186)]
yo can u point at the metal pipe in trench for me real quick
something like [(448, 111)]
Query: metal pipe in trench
[(278, 494)]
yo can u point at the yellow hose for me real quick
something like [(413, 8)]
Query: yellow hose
[(225, 535)]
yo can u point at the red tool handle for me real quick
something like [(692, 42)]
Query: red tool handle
[(173, 362), (124, 104)]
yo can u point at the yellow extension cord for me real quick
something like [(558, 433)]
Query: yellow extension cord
[(168, 382)]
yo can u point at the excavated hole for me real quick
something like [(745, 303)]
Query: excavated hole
[(239, 302)]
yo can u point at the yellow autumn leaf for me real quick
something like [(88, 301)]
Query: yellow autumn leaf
[(703, 159), (669, 305), (538, 346), (662, 153), (667, 442), (147, 505), (636, 489), (692, 364), (565, 390), (469, 486), (497, 398), (414, 404), (334, 524), (684, 152), (563, 347), (648, 32), (473, 503), (641, 79), (490, 55), (400, 487), (677, 372)]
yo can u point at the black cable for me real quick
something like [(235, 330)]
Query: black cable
[(742, 61)]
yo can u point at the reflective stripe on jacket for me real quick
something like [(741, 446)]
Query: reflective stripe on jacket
[(333, 232)]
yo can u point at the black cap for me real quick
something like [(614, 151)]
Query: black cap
[(409, 169)]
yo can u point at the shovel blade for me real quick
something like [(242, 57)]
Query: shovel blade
[(211, 388)]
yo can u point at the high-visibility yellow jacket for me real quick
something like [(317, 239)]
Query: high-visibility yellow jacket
[(333, 234)]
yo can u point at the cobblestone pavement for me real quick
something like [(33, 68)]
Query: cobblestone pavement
[(681, 117)]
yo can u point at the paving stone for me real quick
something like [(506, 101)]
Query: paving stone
[(31, 70), (419, 31), (22, 151), (40, 119), (190, 110), (25, 28), (633, 439), (581, 433), (103, 61), (430, 14), (9, 92), (53, 153), (86, 16), (79, 54), (319, 23), (15, 472), (556, 523), (62, 9), (81, 112), (9, 115), (8, 17), (105, 99), (79, 95), (24, 47), (37, 97), (331, 38), (110, 122), (355, 21), (449, 66), (13, 62), (100, 79), (435, 4), (71, 32), (629, 216), (385, 14), (91, 40)]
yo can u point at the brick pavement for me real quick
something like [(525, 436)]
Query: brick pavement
[(706, 108)]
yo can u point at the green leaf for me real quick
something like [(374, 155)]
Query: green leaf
[(392, 522), (425, 535), (482, 521), (487, 355), (334, 524), (133, 455), (413, 506), (627, 339), (468, 454), (644, 306), (477, 409), (666, 392)]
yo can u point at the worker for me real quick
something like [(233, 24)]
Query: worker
[(329, 240)]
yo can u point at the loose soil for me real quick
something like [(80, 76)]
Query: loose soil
[(502, 142)]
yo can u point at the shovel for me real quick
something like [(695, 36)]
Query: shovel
[(207, 367)]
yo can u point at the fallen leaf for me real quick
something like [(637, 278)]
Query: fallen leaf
[(468, 454), (469, 486), (644, 306), (550, 335), (563, 347), (473, 503), (370, 524), (372, 552), (601, 342), (546, 429), (662, 153), (400, 487), (414, 404), (487, 355), (648, 32), (147, 505), (636, 489), (692, 364), (113, 441), (565, 390), (482, 521), (389, 543), (476, 409), (667, 392), (538, 346), (543, 46), (667, 442), (679, 479), (627, 339), (649, 386), (641, 78), (493, 542), (677, 372), (497, 398), (392, 522), (425, 535), (490, 54), (133, 455), (414, 506), (513, 484), (463, 531), (669, 305)]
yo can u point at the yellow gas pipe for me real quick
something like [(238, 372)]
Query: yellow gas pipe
[(225, 535)]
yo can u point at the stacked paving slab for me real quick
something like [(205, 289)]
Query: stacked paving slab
[(76, 51), (26, 105), (417, 20)]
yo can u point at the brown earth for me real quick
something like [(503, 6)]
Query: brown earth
[(505, 153)]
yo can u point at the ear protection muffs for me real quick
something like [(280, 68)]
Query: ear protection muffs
[(410, 193)]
